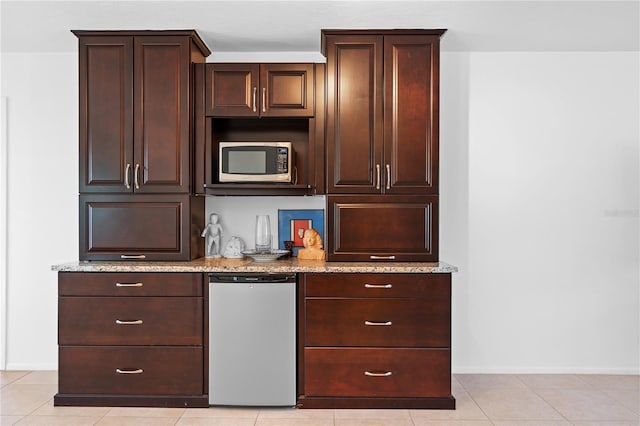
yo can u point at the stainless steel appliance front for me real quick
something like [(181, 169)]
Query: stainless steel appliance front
[(252, 339)]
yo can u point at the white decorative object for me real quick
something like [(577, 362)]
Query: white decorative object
[(212, 233), (234, 248), (268, 256)]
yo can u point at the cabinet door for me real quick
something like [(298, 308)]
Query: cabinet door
[(354, 114), (411, 114), (140, 227), (162, 125), (286, 90), (383, 227), (232, 90), (106, 110)]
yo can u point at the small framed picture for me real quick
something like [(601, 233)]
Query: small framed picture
[(293, 223)]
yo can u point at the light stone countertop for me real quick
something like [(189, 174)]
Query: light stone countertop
[(248, 265)]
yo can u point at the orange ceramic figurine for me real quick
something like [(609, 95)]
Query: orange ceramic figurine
[(312, 246)]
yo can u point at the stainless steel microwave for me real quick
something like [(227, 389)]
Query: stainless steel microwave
[(255, 162)]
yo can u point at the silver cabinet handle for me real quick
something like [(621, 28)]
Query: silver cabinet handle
[(388, 323), (388, 177), (134, 322), (378, 286), (136, 173), (373, 257), (129, 284), (127, 169), (255, 95), (133, 256), (264, 99), (129, 370), (377, 176), (374, 374)]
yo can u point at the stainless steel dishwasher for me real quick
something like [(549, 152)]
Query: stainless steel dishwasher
[(252, 339)]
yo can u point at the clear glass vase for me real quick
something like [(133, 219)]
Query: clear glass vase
[(263, 233)]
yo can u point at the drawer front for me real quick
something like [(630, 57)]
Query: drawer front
[(367, 372), (130, 320), (129, 284), (427, 286), (131, 370), (377, 322)]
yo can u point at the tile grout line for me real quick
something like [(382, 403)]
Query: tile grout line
[(475, 402)]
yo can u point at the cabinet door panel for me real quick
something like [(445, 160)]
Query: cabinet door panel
[(162, 114), (383, 227), (411, 114), (286, 90), (392, 372), (130, 320), (106, 105), (158, 227), (165, 370), (378, 322), (232, 90), (354, 114)]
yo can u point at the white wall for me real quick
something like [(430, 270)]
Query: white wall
[(42, 115), (539, 207), (540, 210)]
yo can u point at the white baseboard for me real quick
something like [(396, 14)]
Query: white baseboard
[(545, 370), (16, 366)]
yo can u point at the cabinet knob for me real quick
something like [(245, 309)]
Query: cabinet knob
[(129, 284), (373, 257), (382, 323), (133, 256), (255, 95), (378, 286), (388, 186), (136, 177), (128, 322), (378, 374), (129, 370), (127, 169)]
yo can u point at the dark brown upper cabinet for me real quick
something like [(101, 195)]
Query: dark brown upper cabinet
[(382, 111), (259, 90), (137, 113), (135, 106)]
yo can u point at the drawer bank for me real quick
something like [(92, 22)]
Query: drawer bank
[(369, 335)]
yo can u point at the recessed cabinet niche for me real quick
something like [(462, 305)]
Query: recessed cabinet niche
[(136, 113), (261, 103)]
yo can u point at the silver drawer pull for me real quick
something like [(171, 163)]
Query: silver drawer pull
[(374, 374), (134, 322), (129, 371), (388, 323), (378, 286), (129, 284), (382, 257), (133, 256)]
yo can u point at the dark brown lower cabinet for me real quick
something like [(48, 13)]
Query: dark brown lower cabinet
[(400, 228), (141, 227), (131, 339), (374, 341)]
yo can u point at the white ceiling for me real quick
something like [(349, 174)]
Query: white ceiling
[(294, 26)]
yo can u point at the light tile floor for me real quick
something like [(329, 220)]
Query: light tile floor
[(482, 399)]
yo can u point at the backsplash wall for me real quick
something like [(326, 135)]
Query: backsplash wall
[(238, 214)]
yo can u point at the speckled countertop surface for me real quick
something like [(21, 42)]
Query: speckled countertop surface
[(248, 265)]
